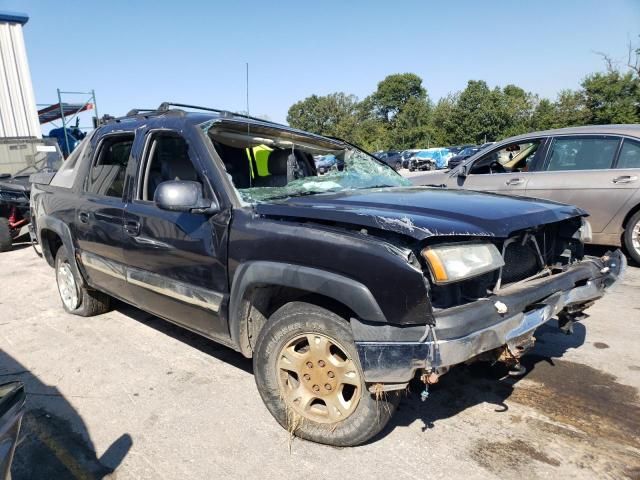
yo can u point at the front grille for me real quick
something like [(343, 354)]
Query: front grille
[(520, 262)]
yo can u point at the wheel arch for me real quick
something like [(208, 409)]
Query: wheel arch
[(52, 234), (628, 216), (261, 287)]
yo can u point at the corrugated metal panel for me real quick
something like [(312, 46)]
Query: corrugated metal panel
[(18, 114)]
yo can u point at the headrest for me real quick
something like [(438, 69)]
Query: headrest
[(277, 163)]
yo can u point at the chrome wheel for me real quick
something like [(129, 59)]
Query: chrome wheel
[(67, 286), (318, 379), (635, 237)]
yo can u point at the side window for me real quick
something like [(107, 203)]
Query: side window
[(629, 155), (167, 158), (581, 153), (68, 171), (515, 157), (109, 167)]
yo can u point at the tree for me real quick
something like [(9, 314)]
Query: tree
[(612, 97), (324, 115), (544, 116), (394, 92)]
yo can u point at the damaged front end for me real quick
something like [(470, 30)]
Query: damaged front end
[(542, 274)]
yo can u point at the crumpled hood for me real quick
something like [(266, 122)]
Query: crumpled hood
[(423, 212)]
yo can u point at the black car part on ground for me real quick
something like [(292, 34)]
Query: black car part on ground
[(12, 406)]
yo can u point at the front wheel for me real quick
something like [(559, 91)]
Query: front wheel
[(632, 237), (308, 373)]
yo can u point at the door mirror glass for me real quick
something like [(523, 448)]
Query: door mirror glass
[(183, 196)]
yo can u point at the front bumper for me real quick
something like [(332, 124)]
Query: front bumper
[(507, 318)]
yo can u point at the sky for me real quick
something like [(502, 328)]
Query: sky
[(141, 53)]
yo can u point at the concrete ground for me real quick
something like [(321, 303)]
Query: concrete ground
[(126, 395)]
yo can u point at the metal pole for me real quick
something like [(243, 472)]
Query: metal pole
[(95, 106), (64, 124), (247, 64)]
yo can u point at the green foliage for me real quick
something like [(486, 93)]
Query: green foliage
[(399, 114), (612, 97)]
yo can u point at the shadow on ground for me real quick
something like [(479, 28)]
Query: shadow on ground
[(187, 337), (54, 442)]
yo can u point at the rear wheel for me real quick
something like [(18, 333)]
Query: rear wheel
[(309, 376), (75, 298), (632, 237), (6, 238)]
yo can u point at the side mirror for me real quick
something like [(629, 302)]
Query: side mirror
[(183, 196), (464, 170)]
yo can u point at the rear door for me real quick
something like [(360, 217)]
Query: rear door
[(99, 215), (176, 261), (578, 170)]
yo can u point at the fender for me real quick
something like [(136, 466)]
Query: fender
[(47, 222), (342, 289)]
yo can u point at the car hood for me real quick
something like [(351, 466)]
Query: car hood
[(423, 212)]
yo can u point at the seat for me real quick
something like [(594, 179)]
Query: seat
[(277, 165), (170, 162)]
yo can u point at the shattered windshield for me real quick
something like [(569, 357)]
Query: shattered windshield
[(267, 163)]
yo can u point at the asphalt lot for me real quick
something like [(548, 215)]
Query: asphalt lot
[(126, 395)]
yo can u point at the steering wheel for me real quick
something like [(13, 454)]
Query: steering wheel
[(495, 167)]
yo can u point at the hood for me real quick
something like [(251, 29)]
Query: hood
[(15, 184), (423, 212)]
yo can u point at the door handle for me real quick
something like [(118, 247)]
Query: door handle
[(625, 179), (83, 217), (132, 227), (515, 181)]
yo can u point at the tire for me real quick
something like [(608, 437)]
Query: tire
[(398, 166), (631, 237), (412, 169), (365, 416), (6, 239), (75, 298)]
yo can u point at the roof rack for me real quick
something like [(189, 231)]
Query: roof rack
[(165, 107)]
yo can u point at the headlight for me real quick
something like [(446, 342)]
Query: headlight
[(586, 234), (451, 263)]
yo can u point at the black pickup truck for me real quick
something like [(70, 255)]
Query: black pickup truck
[(342, 287)]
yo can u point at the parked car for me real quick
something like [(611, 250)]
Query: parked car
[(596, 168), (463, 155), (14, 192), (341, 287), (393, 158), (406, 157), (324, 163), (12, 406), (430, 159), (456, 149)]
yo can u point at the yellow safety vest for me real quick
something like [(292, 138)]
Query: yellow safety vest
[(260, 155)]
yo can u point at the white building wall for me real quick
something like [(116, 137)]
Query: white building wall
[(18, 113)]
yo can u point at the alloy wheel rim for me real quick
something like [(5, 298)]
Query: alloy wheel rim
[(635, 237), (67, 286), (318, 379)]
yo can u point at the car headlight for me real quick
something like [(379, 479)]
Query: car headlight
[(586, 234), (451, 263)]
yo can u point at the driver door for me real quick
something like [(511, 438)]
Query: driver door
[(176, 260), (504, 169)]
